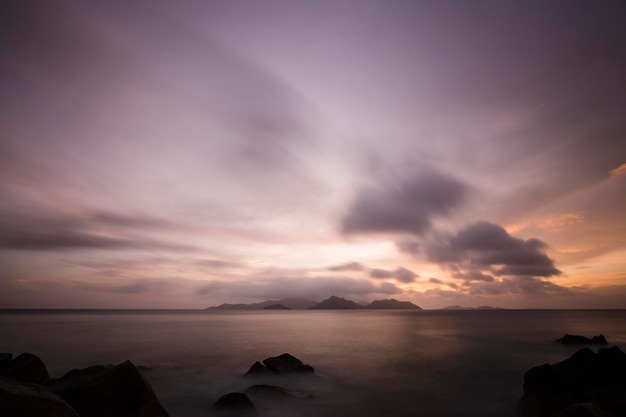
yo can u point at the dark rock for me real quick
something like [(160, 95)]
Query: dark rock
[(5, 359), (103, 391), (287, 364), (585, 377), (21, 399), (234, 404), (274, 391), (258, 370), (570, 339), (26, 368), (583, 410)]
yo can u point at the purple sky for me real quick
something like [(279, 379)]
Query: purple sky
[(158, 154)]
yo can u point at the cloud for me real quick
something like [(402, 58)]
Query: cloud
[(99, 230), (351, 266), (404, 207), (136, 286), (620, 170), (524, 285), (486, 259), (316, 288), (401, 274), (487, 246)]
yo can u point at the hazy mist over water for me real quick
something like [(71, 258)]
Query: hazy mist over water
[(368, 363)]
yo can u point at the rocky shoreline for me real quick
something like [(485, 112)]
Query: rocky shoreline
[(587, 384)]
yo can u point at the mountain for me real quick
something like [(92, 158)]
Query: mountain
[(458, 307), (276, 307), (392, 304), (336, 303), (291, 303)]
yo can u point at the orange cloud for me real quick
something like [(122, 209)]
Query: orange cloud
[(560, 222), (620, 170)]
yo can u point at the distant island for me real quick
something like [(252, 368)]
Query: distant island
[(276, 307), (331, 303), (291, 303), (458, 307)]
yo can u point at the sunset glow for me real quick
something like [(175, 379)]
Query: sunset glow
[(160, 156)]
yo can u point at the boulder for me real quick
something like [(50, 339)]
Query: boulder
[(234, 404), (103, 391), (583, 410), (287, 364), (585, 377), (570, 339), (274, 391), (258, 370), (21, 399), (5, 360), (26, 368)]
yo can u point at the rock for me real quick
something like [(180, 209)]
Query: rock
[(21, 399), (570, 339), (585, 377), (583, 410), (258, 370), (26, 368), (275, 391), (287, 364), (102, 391), (5, 359), (234, 404)]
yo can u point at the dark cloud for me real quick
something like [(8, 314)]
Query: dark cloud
[(488, 260), (519, 285), (110, 231), (401, 274), (351, 266), (404, 207), (435, 281), (485, 246)]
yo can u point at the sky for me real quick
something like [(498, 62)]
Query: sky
[(158, 154)]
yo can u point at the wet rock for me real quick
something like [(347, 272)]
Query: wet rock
[(583, 410), (287, 364), (26, 368), (234, 404), (258, 370), (21, 399), (585, 377), (5, 359), (102, 391), (570, 339), (274, 391)]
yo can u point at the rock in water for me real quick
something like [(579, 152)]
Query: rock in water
[(570, 339), (20, 399), (287, 364), (234, 404), (26, 368), (258, 370), (5, 360), (103, 391), (583, 410), (585, 377)]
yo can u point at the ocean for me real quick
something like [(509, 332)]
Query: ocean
[(367, 363)]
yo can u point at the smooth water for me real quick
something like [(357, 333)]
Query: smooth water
[(369, 363)]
